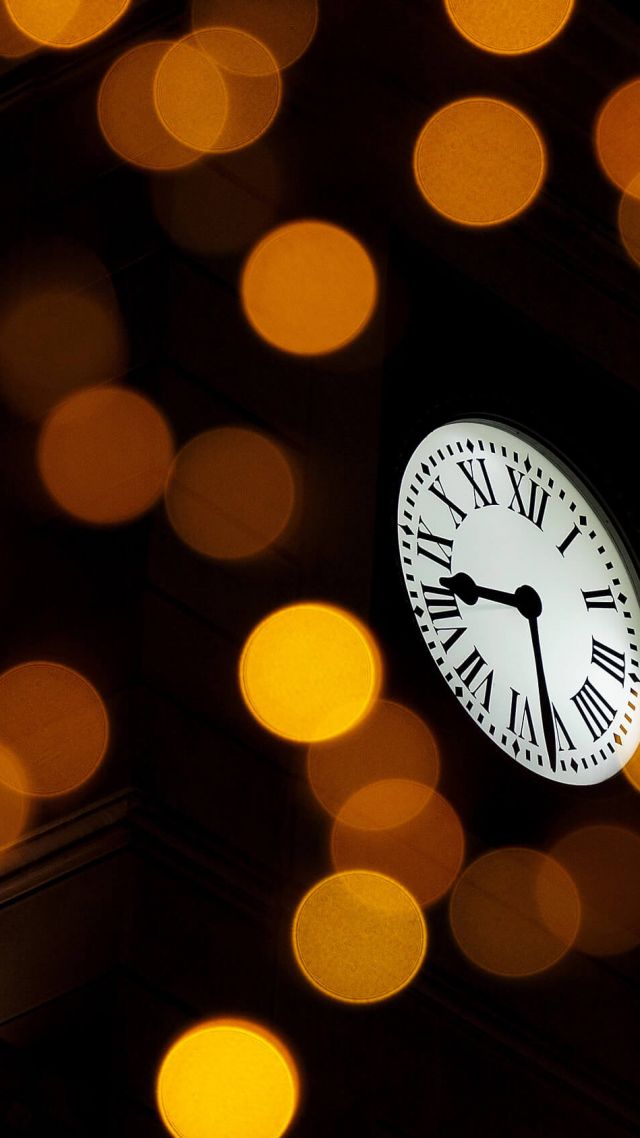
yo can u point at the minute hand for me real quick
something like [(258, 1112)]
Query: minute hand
[(545, 702)]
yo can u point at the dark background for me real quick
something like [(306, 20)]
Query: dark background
[(163, 891)]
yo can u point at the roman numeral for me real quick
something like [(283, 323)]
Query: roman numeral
[(598, 599), (536, 505), (596, 712), (443, 543), (457, 514), (443, 606), (561, 733), (564, 545), (469, 671), (609, 659), (482, 495), (524, 716)]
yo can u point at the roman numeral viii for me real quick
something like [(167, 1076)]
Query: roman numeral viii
[(529, 500)]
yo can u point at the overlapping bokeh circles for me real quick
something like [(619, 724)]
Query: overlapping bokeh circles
[(617, 135), (127, 112), (54, 724), (515, 912), (14, 798), (60, 328), (14, 44), (509, 29), (309, 287), (424, 852), (359, 937), (104, 454), (227, 1078), (65, 23), (230, 493), (309, 671), (392, 742), (604, 862), (479, 161), (286, 27)]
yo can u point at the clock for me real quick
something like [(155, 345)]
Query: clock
[(525, 596)]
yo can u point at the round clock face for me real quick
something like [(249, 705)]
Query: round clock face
[(525, 598)]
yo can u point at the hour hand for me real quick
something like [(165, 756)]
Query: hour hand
[(525, 599)]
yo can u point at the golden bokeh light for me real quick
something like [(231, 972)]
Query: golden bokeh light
[(252, 81), (359, 936), (227, 1078), (309, 287), (13, 43), (229, 493), (14, 801), (604, 862), (55, 724), (479, 161), (222, 204), (60, 329), (515, 912), (631, 770), (424, 853), (285, 27), (391, 743), (127, 112), (104, 454), (509, 29), (65, 23), (190, 95), (309, 671), (629, 219), (617, 134)]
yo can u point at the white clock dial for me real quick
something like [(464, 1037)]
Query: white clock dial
[(525, 597)]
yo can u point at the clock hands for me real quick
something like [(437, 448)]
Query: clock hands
[(527, 601)]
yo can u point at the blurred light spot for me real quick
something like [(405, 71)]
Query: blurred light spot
[(104, 453), (227, 1078), (515, 912), (127, 113), (617, 134), (309, 287), (190, 95), (252, 81), (359, 936), (286, 27), (479, 161), (424, 853), (229, 493), (56, 725), (66, 23), (629, 219), (391, 743), (309, 671), (60, 329), (13, 43), (509, 29), (14, 804), (220, 205), (631, 770), (604, 862)]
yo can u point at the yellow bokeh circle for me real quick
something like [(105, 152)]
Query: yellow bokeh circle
[(359, 936), (509, 29), (309, 287), (479, 161), (309, 672), (227, 1078)]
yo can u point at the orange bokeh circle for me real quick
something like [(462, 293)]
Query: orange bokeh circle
[(104, 453), (604, 862), (252, 81), (229, 493), (479, 161), (424, 853), (66, 23), (391, 743), (286, 27), (515, 912), (617, 134), (309, 287), (127, 112), (14, 798), (509, 29), (55, 724)]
